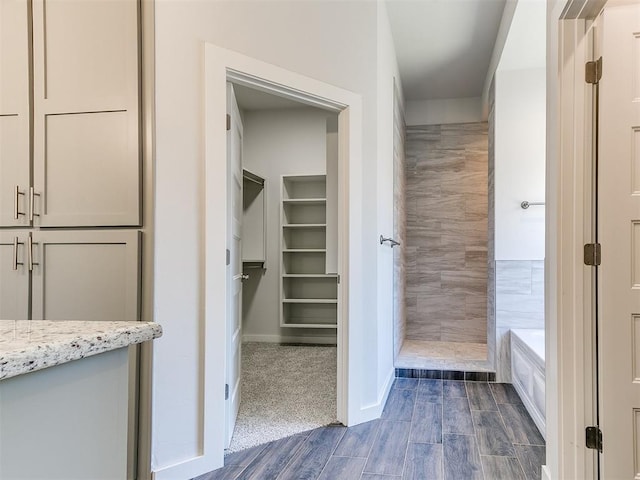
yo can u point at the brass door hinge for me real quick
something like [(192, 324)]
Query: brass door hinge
[(593, 438), (592, 254), (593, 71)]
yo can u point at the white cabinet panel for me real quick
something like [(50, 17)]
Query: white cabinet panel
[(87, 169), (14, 284), (101, 64), (67, 422), (86, 275), (14, 110), (86, 112)]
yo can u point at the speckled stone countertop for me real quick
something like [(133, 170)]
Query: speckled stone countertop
[(29, 345)]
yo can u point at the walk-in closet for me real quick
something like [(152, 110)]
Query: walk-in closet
[(289, 253)]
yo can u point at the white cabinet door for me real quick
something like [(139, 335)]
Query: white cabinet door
[(14, 111), (86, 112), (14, 275), (86, 275)]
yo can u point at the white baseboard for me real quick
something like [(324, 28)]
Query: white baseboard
[(374, 411), (310, 340), (545, 473)]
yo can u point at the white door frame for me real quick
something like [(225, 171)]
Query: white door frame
[(223, 65), (568, 283)]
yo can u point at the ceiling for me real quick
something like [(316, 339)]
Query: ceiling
[(444, 47)]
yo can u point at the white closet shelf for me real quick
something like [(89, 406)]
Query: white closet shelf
[(308, 325), (310, 275), (305, 250), (310, 300), (305, 201), (304, 225), (309, 296)]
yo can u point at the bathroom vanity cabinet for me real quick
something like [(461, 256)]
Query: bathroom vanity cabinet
[(67, 399), (70, 159), (81, 109)]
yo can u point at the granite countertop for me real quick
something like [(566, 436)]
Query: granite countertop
[(29, 345)]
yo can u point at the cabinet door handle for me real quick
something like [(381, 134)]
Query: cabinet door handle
[(32, 195), (30, 262), (15, 253), (16, 208)]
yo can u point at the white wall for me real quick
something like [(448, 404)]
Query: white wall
[(387, 70), (276, 143), (520, 163), (444, 111), (334, 42)]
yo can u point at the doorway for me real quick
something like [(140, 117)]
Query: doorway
[(223, 66), (282, 335)]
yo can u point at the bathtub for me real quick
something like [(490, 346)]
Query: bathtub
[(527, 371)]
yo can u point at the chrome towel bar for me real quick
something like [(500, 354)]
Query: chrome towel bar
[(392, 242), (526, 204)]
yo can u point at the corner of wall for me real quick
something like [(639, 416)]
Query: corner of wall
[(444, 111)]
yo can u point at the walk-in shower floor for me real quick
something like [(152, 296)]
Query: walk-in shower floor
[(443, 356)]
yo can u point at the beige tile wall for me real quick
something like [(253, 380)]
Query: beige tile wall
[(446, 254), (399, 226)]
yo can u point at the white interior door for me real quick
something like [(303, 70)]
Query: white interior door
[(234, 267), (619, 233)]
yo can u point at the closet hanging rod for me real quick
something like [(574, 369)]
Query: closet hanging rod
[(526, 204), (252, 177)]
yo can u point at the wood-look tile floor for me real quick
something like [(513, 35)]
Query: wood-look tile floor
[(430, 429)]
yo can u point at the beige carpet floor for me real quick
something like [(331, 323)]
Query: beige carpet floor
[(284, 390)]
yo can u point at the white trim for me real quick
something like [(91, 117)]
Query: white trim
[(545, 473), (317, 340), (374, 411), (569, 366), (221, 65)]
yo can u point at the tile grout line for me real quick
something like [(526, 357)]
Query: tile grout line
[(413, 414), (442, 426), (331, 455), (297, 454), (475, 433), (505, 429), (380, 420)]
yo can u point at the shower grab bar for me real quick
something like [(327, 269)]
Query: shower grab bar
[(526, 204), (392, 242)]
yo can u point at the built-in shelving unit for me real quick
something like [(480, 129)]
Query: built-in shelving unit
[(309, 296), (254, 220)]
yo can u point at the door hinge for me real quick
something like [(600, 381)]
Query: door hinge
[(594, 438), (226, 391), (228, 122), (338, 279), (228, 257), (593, 71), (592, 254)]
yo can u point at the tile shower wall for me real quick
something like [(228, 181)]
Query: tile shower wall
[(519, 304), (446, 202), (399, 226)]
